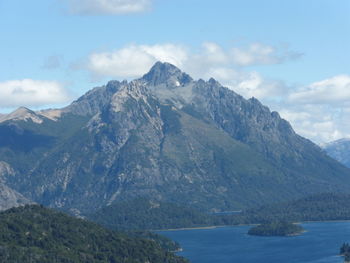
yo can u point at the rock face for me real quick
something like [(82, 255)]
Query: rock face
[(168, 137), (9, 197), (339, 150)]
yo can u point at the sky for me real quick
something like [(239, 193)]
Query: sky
[(292, 55)]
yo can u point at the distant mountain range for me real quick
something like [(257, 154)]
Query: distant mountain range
[(165, 137), (339, 150)]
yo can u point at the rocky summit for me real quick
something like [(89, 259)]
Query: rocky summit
[(165, 137)]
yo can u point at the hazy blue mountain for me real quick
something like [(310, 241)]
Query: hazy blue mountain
[(339, 150), (165, 137)]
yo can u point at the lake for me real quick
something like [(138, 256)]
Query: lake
[(320, 243)]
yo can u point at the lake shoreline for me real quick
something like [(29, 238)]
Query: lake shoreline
[(189, 228), (320, 244), (221, 226)]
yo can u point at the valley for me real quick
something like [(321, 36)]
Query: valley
[(167, 152)]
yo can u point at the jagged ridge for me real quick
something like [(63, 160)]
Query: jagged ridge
[(168, 137)]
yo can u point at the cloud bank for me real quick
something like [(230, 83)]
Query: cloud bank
[(140, 57), (31, 93), (334, 90), (210, 60), (108, 7), (134, 60), (320, 110)]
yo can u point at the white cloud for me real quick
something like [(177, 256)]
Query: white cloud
[(133, 61), (108, 7), (328, 91), (31, 93), (211, 60)]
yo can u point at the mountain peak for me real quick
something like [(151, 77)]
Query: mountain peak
[(164, 66), (166, 73), (22, 110), (22, 113)]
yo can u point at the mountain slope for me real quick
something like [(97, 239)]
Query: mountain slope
[(250, 122), (164, 137)]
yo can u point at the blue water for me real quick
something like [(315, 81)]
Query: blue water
[(319, 244)]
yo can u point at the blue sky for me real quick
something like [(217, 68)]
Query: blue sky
[(292, 55)]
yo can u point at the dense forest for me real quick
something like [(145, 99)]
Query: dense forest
[(276, 229), (36, 234), (321, 207), (163, 241), (143, 213)]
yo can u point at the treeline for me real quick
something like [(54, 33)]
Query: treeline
[(141, 214), (276, 229), (345, 251), (37, 234)]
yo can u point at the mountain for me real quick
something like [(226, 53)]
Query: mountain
[(164, 137), (339, 150), (36, 234)]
